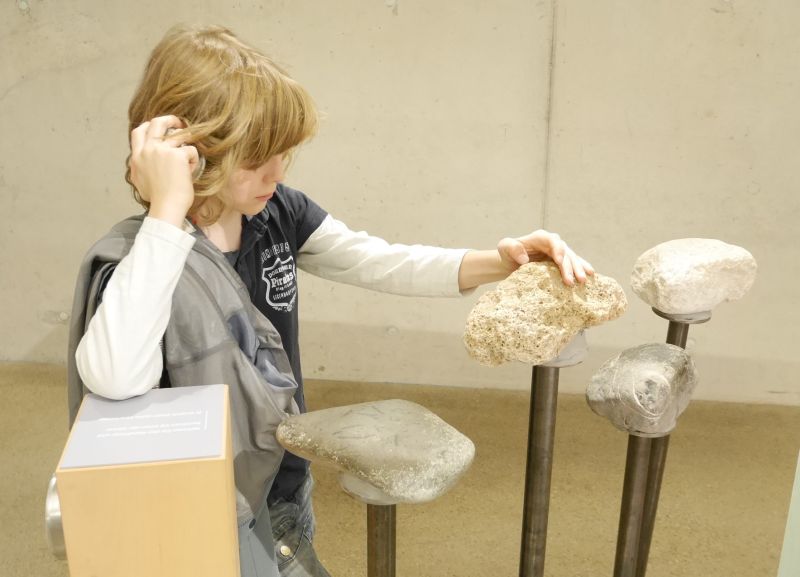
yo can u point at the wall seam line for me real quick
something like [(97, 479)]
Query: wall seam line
[(549, 116)]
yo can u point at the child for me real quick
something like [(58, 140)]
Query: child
[(202, 289)]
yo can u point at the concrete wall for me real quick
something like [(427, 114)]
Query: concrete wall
[(445, 125)]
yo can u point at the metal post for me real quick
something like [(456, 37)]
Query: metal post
[(655, 474), (381, 540), (677, 334), (541, 434), (633, 497)]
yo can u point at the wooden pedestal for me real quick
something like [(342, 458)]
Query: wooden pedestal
[(146, 486)]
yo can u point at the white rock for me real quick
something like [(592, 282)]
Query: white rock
[(692, 275), (644, 389), (532, 315)]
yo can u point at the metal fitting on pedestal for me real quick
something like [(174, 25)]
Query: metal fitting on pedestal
[(54, 530)]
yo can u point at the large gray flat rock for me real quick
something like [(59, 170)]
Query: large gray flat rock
[(400, 448), (643, 390), (692, 275), (532, 315)]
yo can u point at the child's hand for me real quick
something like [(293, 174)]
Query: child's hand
[(161, 169), (540, 245)]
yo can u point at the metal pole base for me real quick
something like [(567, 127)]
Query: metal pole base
[(684, 319), (381, 540), (541, 434)]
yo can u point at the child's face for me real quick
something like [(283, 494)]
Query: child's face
[(250, 189)]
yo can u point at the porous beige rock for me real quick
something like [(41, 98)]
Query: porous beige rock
[(400, 448), (643, 390), (691, 275), (532, 315)]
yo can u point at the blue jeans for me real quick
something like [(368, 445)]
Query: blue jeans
[(276, 542), (293, 533), (256, 547)]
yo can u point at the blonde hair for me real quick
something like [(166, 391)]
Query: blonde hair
[(239, 106)]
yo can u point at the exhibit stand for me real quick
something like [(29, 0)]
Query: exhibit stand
[(145, 487)]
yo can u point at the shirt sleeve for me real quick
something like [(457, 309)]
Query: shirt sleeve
[(306, 214), (119, 356), (336, 253)]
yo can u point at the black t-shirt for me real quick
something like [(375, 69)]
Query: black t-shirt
[(267, 261)]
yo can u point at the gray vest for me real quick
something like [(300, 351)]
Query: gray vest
[(215, 335)]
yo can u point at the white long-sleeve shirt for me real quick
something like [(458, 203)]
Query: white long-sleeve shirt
[(120, 356)]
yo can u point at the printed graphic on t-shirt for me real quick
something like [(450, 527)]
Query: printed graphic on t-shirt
[(281, 287)]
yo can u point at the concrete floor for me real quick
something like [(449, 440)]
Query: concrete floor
[(722, 513)]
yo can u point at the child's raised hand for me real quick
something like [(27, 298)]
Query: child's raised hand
[(161, 168), (540, 245)]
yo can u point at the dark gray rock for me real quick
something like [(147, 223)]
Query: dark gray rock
[(644, 389)]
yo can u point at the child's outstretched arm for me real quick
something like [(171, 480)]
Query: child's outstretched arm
[(119, 356), (339, 254)]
